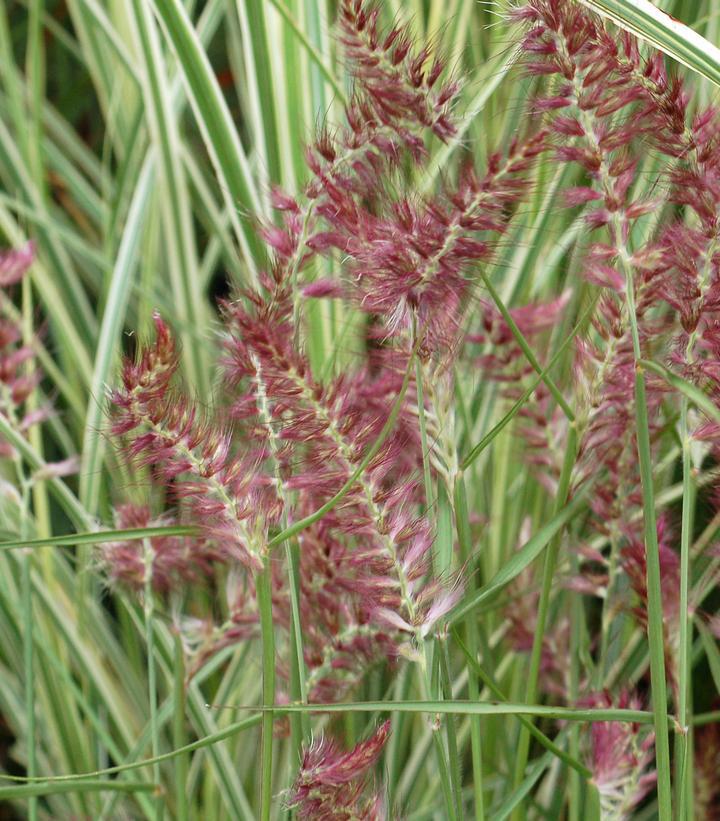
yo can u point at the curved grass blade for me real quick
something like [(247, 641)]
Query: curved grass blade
[(214, 120), (657, 27), (101, 537), (463, 708), (313, 53), (106, 785)]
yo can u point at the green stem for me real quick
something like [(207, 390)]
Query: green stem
[(526, 349), (469, 708), (27, 637), (652, 552), (264, 602), (450, 732), (148, 612), (576, 621), (101, 536), (703, 719), (300, 725), (683, 750), (313, 53), (80, 787), (179, 735), (488, 438), (432, 691), (462, 520), (41, 507), (427, 479), (28, 665), (210, 740), (449, 775), (544, 606), (301, 729)]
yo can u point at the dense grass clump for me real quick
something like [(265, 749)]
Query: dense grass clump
[(359, 411)]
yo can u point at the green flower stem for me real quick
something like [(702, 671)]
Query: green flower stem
[(576, 625), (441, 648), (550, 566), (102, 537), (449, 774), (312, 52), (27, 636), (264, 602), (517, 407), (298, 668), (207, 741), (87, 786), (526, 349), (182, 760), (427, 479), (29, 675), (431, 687), (462, 518), (655, 611), (706, 718), (148, 612), (683, 750), (300, 725), (468, 708)]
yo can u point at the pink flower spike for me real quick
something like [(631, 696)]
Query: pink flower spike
[(176, 560), (193, 453), (580, 196), (324, 289), (621, 758), (332, 785), (52, 470), (14, 264), (442, 604)]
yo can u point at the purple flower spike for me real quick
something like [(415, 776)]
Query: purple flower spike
[(333, 786)]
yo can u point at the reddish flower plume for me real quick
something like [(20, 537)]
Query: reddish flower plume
[(18, 376), (15, 263), (195, 457), (341, 641), (620, 757), (707, 765), (318, 435), (417, 258), (606, 100), (333, 786), (400, 85), (397, 98), (175, 559)]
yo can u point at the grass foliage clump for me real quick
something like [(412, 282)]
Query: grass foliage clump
[(359, 410)]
